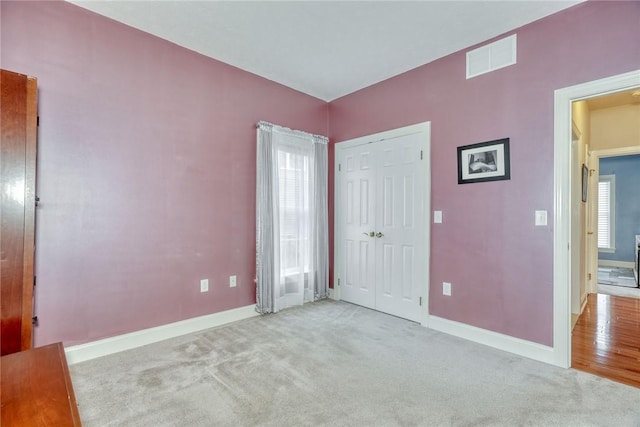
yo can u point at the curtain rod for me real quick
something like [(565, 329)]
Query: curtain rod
[(264, 125)]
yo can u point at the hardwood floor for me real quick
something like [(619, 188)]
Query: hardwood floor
[(606, 339)]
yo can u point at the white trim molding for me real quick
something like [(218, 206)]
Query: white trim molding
[(616, 152), (104, 347), (583, 303), (607, 250), (612, 263), (562, 202), (503, 342)]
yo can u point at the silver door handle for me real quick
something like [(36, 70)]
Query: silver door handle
[(370, 234), (379, 234)]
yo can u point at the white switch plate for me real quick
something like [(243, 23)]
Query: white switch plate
[(204, 285), (437, 217), (232, 281), (541, 217), (446, 288)]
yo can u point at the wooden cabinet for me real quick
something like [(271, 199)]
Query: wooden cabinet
[(18, 110)]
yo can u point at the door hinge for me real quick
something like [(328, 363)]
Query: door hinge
[(338, 282), (34, 320), (37, 201), (339, 167), (420, 154), (589, 276), (38, 121), (420, 301), (34, 281)]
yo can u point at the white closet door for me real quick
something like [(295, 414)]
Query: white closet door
[(400, 221), (357, 184), (383, 188)]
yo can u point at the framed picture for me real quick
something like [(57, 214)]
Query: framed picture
[(585, 181), (486, 161)]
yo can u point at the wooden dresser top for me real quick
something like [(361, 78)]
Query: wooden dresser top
[(37, 389)]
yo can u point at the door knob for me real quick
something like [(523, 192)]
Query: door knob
[(379, 234), (370, 234)]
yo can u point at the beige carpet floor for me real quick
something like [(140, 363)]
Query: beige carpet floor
[(335, 364)]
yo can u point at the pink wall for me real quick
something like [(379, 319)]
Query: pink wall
[(500, 265), (146, 171)]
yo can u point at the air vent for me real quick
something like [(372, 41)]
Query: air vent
[(492, 56)]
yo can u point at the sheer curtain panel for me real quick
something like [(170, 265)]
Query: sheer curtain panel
[(292, 250)]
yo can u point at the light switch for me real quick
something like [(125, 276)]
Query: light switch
[(437, 217), (541, 217)]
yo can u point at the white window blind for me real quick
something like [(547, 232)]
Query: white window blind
[(606, 214), (295, 227)]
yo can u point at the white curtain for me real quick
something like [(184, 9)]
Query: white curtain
[(292, 250)]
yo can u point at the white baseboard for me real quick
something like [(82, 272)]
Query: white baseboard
[(623, 264), (94, 349), (332, 294), (514, 345), (584, 303)]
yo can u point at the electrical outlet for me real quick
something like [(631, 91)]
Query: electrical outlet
[(204, 285), (446, 289), (232, 281)]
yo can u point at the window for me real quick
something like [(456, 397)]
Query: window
[(295, 226), (292, 251), (606, 213)]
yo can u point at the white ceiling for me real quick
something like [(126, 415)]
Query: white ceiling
[(326, 49)]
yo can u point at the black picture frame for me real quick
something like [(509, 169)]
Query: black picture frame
[(483, 162), (585, 182)]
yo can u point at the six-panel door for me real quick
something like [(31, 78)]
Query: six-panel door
[(382, 189)]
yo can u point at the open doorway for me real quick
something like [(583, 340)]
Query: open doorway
[(562, 220), (618, 214), (605, 219), (605, 130)]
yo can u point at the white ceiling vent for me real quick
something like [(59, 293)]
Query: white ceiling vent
[(492, 56)]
